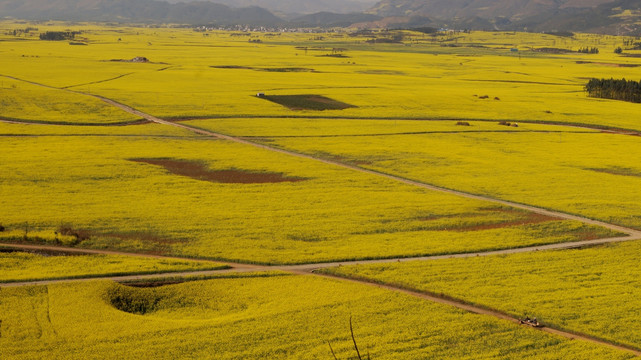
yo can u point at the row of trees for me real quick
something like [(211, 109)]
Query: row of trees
[(587, 50), (18, 32), (626, 90), (59, 35)]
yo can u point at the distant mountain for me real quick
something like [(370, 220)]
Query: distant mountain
[(304, 7), (136, 11), (611, 16), (487, 9), (328, 19), (621, 17), (601, 16)]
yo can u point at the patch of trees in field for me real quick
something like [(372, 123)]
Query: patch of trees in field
[(59, 35), (19, 32), (587, 50), (616, 89)]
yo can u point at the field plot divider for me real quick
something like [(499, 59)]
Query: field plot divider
[(485, 311), (634, 234)]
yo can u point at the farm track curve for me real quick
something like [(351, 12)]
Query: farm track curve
[(552, 213), (587, 127), (308, 269)]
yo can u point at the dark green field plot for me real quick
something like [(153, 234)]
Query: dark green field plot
[(307, 102), (277, 69)]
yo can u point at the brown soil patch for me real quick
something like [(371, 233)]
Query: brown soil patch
[(529, 219), (238, 67), (521, 217), (199, 171), (291, 69), (42, 252), (342, 159), (617, 171), (608, 64), (553, 50), (283, 69), (307, 102), (155, 244), (153, 284)]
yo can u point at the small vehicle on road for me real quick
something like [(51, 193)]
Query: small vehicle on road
[(530, 322)]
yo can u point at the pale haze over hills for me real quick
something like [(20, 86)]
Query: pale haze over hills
[(605, 16), (482, 8), (286, 7), (613, 16)]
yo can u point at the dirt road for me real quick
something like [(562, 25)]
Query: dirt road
[(491, 312), (552, 213), (308, 269)]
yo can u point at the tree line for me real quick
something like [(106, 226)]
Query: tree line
[(587, 50), (616, 89), (59, 35)]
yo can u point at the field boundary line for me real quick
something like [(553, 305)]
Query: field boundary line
[(133, 277), (633, 234), (308, 267), (83, 251), (595, 127), (303, 270), (97, 81), (538, 210), (483, 311), (476, 309)]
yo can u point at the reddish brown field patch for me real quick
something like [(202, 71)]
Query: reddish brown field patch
[(529, 219), (615, 170), (517, 218), (199, 171), (608, 64)]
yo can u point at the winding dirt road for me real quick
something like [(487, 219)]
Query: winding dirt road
[(490, 312), (298, 268), (308, 269), (552, 213)]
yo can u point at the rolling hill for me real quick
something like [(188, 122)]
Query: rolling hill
[(304, 7), (135, 11), (609, 16)]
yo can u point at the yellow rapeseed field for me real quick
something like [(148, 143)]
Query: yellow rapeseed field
[(258, 317), (448, 76), (21, 266), (78, 171), (593, 290), (328, 213), (25, 102), (588, 173)]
